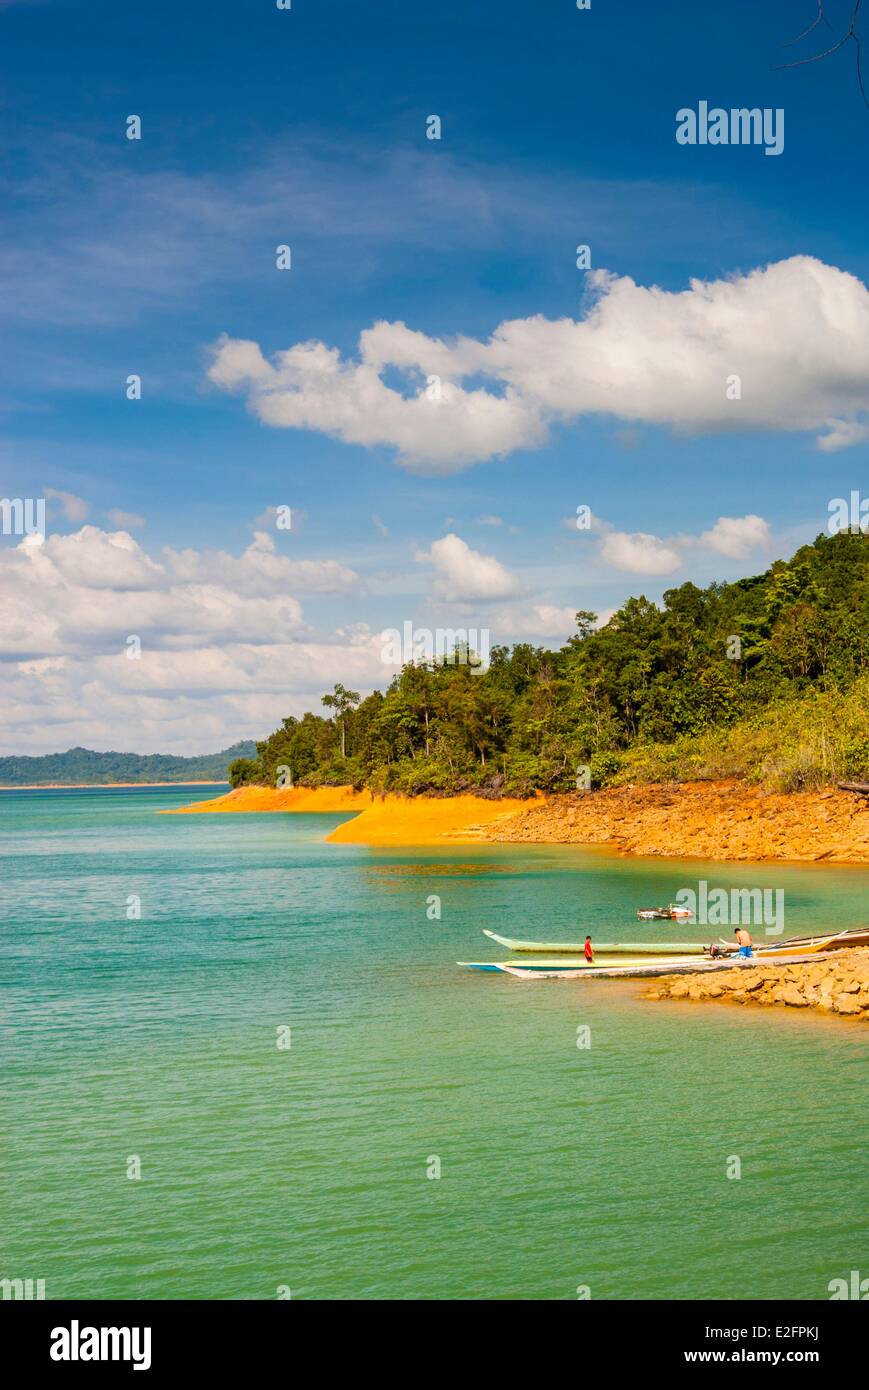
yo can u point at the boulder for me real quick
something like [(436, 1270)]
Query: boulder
[(679, 990), (790, 994), (846, 1004)]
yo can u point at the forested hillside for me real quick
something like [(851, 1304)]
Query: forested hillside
[(82, 766), (766, 678)]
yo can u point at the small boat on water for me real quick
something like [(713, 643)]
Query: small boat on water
[(554, 948), (802, 945), (670, 913), (618, 959)]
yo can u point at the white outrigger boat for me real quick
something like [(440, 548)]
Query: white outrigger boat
[(616, 959), (555, 948)]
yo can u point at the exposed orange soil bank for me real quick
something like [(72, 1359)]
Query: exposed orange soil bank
[(706, 820), (389, 820), (288, 799), (420, 820)]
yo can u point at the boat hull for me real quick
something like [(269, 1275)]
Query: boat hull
[(626, 970), (801, 945), (555, 948)]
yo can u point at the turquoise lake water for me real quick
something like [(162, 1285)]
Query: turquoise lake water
[(306, 1167)]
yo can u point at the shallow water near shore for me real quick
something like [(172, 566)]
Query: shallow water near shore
[(306, 1166)]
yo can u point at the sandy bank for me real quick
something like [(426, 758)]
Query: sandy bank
[(403, 820), (699, 820), (837, 983), (705, 820), (289, 799)]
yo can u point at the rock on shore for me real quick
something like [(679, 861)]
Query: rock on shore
[(837, 983), (705, 820)]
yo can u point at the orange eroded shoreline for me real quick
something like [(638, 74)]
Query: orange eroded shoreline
[(333, 799), (389, 820), (699, 820)]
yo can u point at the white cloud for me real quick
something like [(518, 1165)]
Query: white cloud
[(842, 434), (639, 553), (737, 536), (126, 521), (463, 573), (74, 508), (226, 652), (542, 621), (262, 570), (95, 559), (641, 354), (310, 387)]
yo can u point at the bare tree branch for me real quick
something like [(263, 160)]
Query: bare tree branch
[(851, 34), (819, 17)]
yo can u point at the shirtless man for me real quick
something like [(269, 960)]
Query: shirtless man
[(743, 941)]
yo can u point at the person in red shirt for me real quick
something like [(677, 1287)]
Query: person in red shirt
[(589, 953)]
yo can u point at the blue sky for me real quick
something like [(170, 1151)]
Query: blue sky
[(308, 127)]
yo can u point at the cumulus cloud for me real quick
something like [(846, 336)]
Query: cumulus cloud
[(310, 387), (737, 536), (225, 648), (464, 574), (641, 354), (261, 569), (639, 553), (542, 621)]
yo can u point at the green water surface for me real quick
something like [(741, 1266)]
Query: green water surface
[(306, 1167)]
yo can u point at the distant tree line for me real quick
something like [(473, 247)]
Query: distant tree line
[(84, 766)]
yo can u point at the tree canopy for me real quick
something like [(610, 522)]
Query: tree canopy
[(765, 677)]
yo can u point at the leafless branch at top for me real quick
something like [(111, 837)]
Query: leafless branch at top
[(851, 34)]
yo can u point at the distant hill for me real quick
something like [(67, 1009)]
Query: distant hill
[(84, 766)]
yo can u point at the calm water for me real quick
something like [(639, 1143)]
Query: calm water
[(307, 1166)]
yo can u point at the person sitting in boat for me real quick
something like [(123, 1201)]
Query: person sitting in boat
[(589, 952), (743, 941)]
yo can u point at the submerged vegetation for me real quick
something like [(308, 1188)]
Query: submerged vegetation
[(765, 679)]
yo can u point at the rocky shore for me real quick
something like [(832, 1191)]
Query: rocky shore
[(837, 983), (686, 820), (703, 820)]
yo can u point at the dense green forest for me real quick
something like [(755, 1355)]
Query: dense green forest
[(766, 678), (85, 767)]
